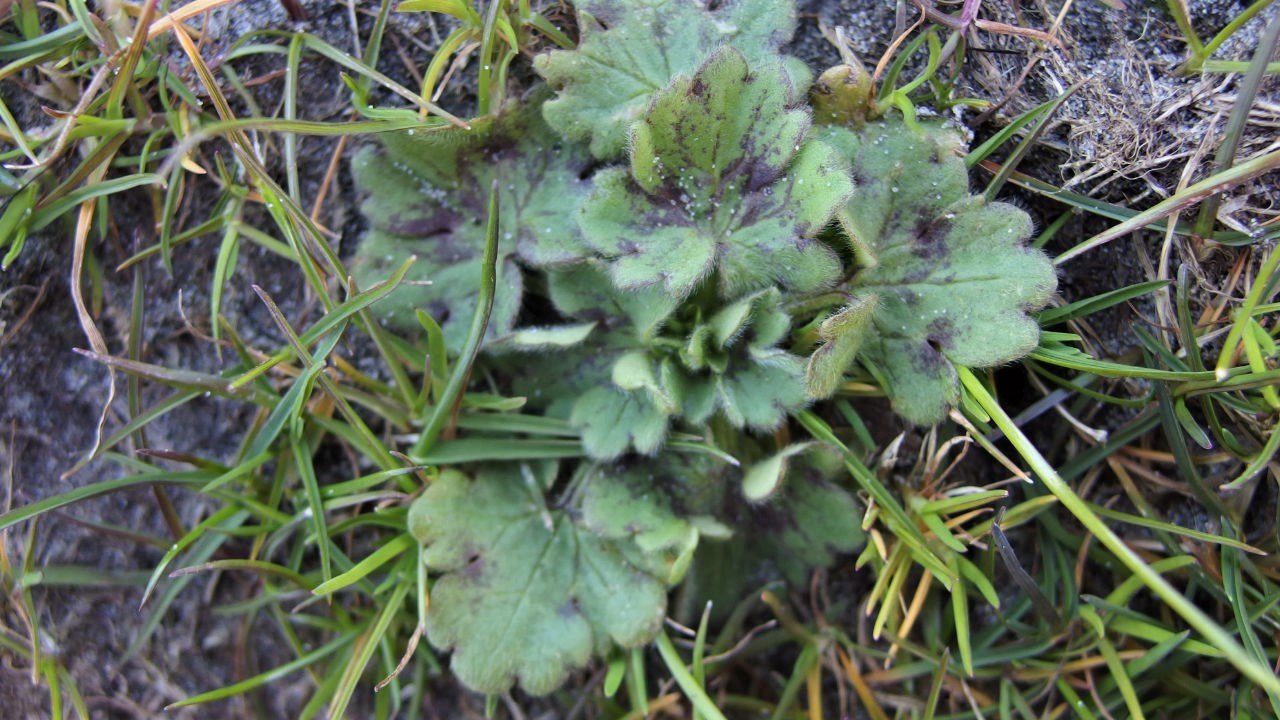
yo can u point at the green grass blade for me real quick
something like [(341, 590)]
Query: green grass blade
[(692, 690), (48, 42), (364, 650), (1216, 183), (340, 315), (201, 551), (514, 423), (26, 512), (1189, 612), (1118, 672), (901, 523), (1101, 301), (444, 409), (1234, 584), (42, 217), (469, 450), (388, 552), (200, 530), (960, 611), (260, 566), (301, 451), (269, 676)]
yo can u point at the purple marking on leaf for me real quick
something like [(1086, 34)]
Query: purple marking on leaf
[(438, 223), (927, 360), (942, 331), (474, 569), (569, 609), (929, 239)]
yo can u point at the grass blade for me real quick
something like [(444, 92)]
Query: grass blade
[(1189, 612), (692, 690)]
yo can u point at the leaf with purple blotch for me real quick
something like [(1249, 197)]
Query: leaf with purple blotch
[(722, 185), (427, 196), (950, 275)]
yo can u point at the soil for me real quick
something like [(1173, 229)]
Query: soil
[(1124, 137)]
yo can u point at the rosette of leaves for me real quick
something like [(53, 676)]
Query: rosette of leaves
[(530, 587), (698, 240), (629, 51), (947, 279), (728, 364), (427, 196)]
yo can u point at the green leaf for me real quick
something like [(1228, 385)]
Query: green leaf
[(760, 395), (427, 196), (722, 182), (545, 338), (727, 365), (843, 334), (584, 292), (613, 421), (527, 593), (630, 504), (761, 312), (456, 8), (806, 524), (953, 277), (631, 49), (764, 478)]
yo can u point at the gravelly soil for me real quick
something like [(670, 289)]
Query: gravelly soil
[(1111, 138)]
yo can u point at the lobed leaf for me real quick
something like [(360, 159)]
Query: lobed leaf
[(632, 49), (529, 593), (613, 421), (951, 275), (584, 292), (728, 364), (842, 334), (427, 196), (721, 182), (807, 525)]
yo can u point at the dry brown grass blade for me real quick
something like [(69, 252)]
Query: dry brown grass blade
[(99, 344), (1006, 29), (175, 19), (861, 687)]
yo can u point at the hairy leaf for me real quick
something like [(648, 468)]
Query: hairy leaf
[(763, 479), (806, 525), (951, 276), (427, 195), (842, 335), (806, 522), (613, 421), (631, 49), (763, 395), (721, 181), (630, 504), (727, 364), (529, 594), (731, 365), (584, 292), (545, 338)]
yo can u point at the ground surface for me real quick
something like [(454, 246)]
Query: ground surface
[(1125, 137)]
